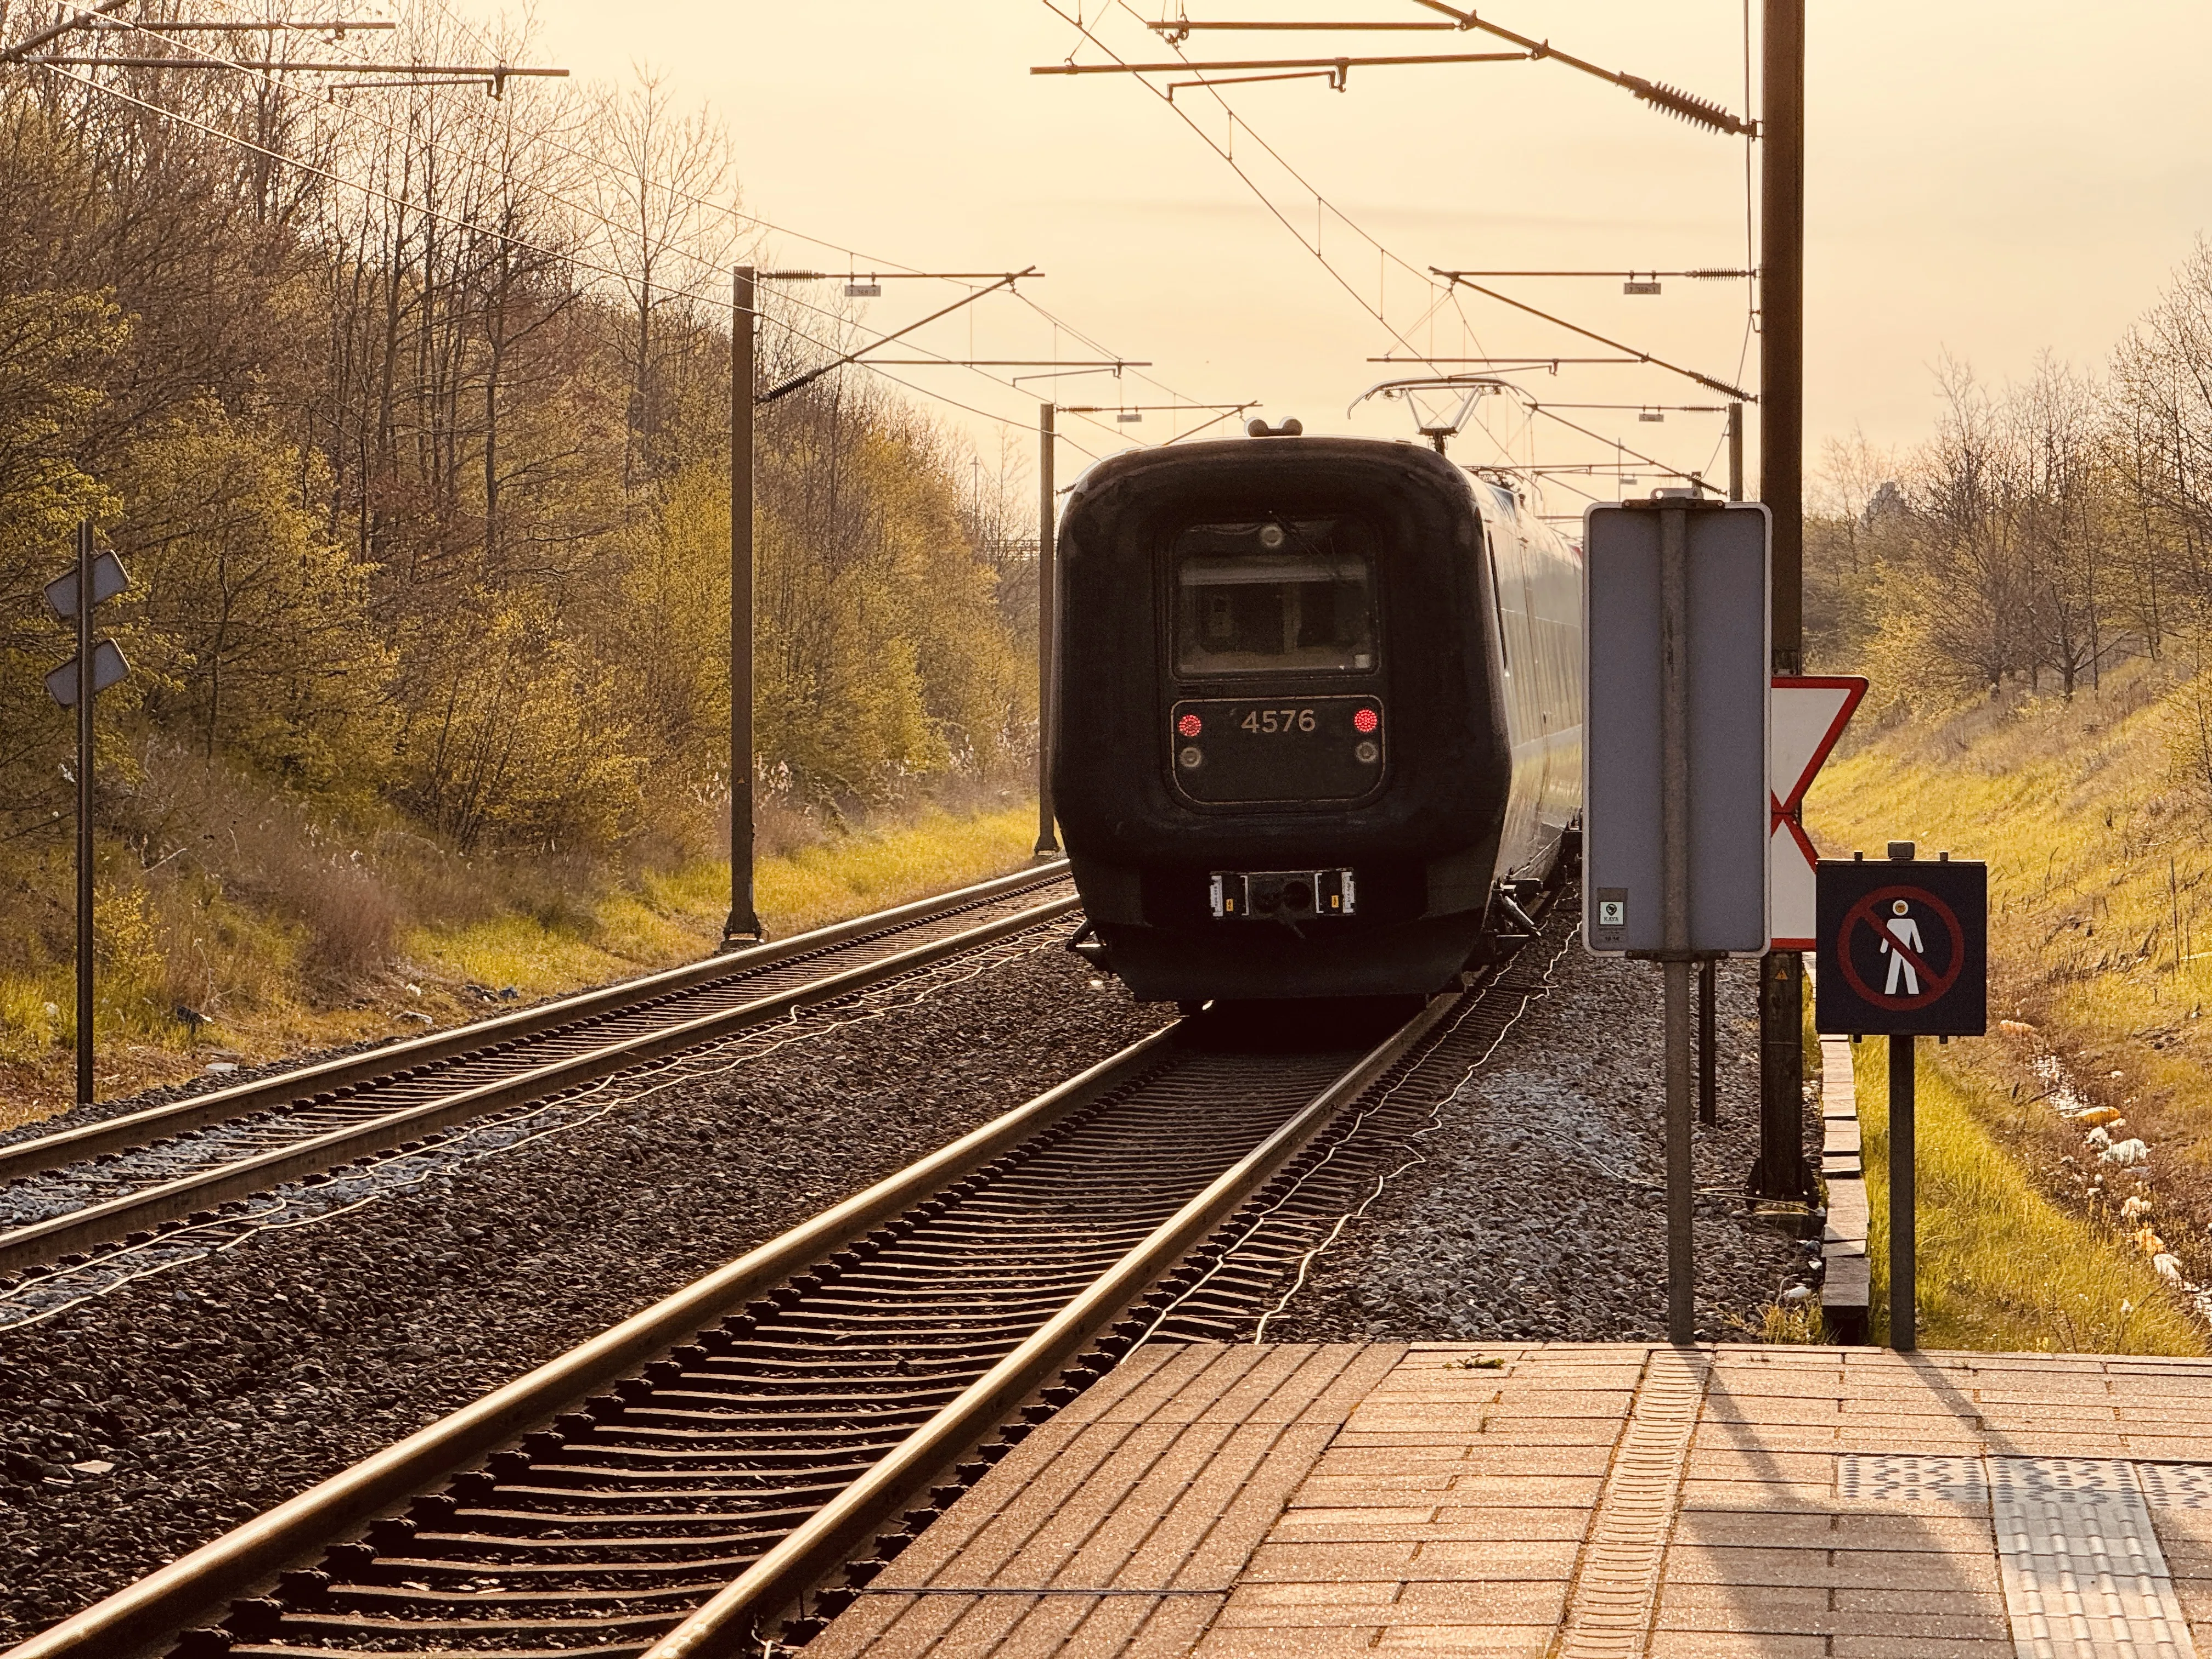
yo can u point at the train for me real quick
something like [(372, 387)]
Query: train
[(1315, 721)]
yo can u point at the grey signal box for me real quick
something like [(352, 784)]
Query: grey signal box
[(1724, 558)]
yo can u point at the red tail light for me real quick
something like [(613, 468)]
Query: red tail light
[(1190, 725), (1364, 720)]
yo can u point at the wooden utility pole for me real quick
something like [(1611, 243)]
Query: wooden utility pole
[(1047, 843), (743, 925), (1781, 1171)]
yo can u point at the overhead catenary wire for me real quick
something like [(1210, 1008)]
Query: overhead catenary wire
[(1415, 354), (887, 266), (1088, 33), (1699, 112), (1461, 280)]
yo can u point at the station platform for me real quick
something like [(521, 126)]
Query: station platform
[(1569, 1501)]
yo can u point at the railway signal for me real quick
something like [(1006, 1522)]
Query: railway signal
[(98, 576), (1903, 952)]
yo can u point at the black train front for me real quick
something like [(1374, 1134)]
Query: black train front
[(1318, 715)]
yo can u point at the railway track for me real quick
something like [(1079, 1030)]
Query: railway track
[(133, 1178), (711, 1466)]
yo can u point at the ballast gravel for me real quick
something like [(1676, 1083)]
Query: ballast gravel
[(140, 1424), (1538, 1211)]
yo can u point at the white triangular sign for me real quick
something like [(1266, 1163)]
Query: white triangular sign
[(1806, 714)]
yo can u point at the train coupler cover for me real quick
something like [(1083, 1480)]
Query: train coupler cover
[(1282, 894)]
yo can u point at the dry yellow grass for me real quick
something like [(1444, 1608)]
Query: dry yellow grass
[(674, 916), (566, 941)]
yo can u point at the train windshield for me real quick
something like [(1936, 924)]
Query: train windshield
[(1283, 596)]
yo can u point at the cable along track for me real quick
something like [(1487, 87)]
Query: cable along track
[(694, 1472), (126, 1177)]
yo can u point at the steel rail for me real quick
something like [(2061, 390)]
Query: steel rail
[(42, 1241), (164, 1601), (831, 1536), (54, 1151)]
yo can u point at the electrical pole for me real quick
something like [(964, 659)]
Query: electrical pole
[(1047, 845), (84, 694), (1781, 1171), (743, 925)]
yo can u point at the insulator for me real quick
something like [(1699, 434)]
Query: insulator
[(1699, 112)]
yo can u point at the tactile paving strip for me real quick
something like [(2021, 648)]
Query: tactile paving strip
[(1610, 1608), (2176, 1486), (1909, 1479), (2083, 1575)]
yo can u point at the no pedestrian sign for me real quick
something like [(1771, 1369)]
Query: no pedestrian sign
[(1904, 947)]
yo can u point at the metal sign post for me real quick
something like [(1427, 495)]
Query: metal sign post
[(1903, 952), (1674, 776), (98, 576), (85, 686), (1675, 913), (1047, 619), (744, 924)]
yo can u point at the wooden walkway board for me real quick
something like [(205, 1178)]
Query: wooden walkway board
[(1541, 1500)]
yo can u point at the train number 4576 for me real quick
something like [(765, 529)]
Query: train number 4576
[(1278, 720)]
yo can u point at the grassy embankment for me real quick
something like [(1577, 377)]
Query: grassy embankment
[(2095, 837), (2002, 1266), (573, 931)]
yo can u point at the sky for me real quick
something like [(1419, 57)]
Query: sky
[(1985, 182)]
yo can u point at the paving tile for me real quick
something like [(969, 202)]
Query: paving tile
[(1366, 1365), (1006, 1505), (863, 1626), (1591, 1462), (1171, 1628), (1340, 1460), (1044, 1625), (1441, 1559), (1361, 1497), (1465, 1525), (1426, 1483), (1221, 1554), (1197, 1389), (1149, 1374), (1716, 1644), (1838, 1569), (1797, 1600), (1754, 1615), (1322, 1564), (1523, 1641), (1759, 1463), (1527, 1602), (889, 1627), (1825, 1529), (1379, 1592), (1469, 1491), (1281, 1644)]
